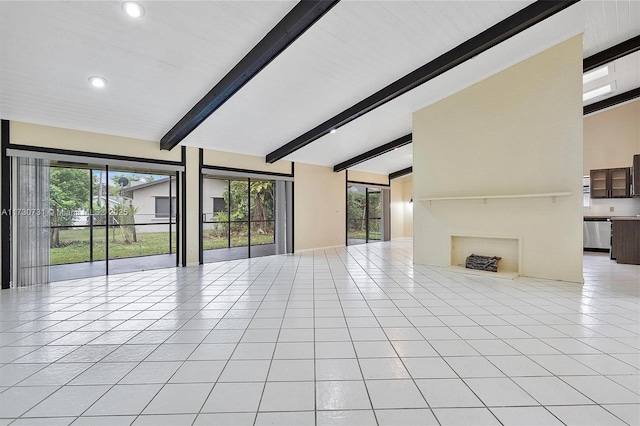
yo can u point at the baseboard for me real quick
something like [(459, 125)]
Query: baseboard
[(505, 275), (319, 248)]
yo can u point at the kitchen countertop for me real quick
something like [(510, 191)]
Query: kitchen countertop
[(625, 218)]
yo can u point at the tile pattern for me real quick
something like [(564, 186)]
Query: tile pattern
[(331, 337)]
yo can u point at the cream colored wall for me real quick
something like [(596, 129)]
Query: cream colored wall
[(401, 208), (58, 138), (319, 207), (407, 229), (247, 162), (397, 209), (612, 137), (358, 176), (517, 132), (192, 179)]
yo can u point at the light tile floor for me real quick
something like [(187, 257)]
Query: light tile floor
[(355, 336)]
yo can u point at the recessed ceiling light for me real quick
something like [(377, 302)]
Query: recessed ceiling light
[(133, 9), (332, 131), (97, 81), (596, 92), (595, 74)]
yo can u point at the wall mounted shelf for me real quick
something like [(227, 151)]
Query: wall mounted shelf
[(551, 195)]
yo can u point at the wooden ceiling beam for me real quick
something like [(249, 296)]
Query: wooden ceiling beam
[(293, 25), (503, 30)]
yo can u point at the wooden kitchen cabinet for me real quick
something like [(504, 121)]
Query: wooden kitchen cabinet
[(625, 244), (611, 183), (636, 175)]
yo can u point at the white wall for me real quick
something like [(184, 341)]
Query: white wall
[(144, 199), (517, 132), (211, 188)]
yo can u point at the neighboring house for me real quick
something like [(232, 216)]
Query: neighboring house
[(212, 199), (152, 203), (81, 216), (155, 203)]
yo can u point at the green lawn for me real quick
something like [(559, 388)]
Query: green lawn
[(75, 245), (361, 235), (211, 241)]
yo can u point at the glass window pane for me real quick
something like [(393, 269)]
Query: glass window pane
[(219, 205), (141, 208), (215, 216), (356, 212), (263, 232), (239, 212), (375, 214)]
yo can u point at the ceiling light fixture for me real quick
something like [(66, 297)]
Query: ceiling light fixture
[(332, 131), (133, 9), (97, 81), (596, 92), (595, 74)]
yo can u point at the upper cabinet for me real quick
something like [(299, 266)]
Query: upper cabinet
[(636, 175), (611, 183)]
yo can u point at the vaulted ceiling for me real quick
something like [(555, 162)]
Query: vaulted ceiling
[(160, 65)]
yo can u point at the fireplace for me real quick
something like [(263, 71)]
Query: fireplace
[(508, 248)]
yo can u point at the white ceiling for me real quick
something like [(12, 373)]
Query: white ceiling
[(159, 66)]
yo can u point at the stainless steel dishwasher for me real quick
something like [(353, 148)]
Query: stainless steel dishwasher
[(596, 234)]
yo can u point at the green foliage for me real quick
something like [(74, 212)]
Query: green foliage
[(356, 214), (237, 199), (356, 210), (242, 200), (69, 191), (262, 197)]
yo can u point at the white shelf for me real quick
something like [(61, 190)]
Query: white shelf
[(501, 197)]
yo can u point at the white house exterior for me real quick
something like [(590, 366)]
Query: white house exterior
[(151, 199)]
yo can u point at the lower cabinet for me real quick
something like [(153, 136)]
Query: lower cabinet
[(625, 247)]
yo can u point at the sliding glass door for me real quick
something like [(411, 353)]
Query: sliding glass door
[(238, 219), (356, 215), (366, 208), (107, 221), (142, 220), (374, 214), (262, 224), (224, 227)]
